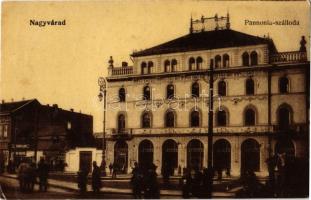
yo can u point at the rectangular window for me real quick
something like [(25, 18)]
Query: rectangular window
[(5, 131)]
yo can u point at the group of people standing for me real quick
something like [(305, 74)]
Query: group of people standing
[(28, 173), (96, 179), (144, 182)]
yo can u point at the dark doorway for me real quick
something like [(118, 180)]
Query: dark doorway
[(285, 146), (222, 155), (121, 156), (85, 160), (169, 156), (250, 156), (145, 154), (195, 153)]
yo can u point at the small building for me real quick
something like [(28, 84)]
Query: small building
[(29, 130)]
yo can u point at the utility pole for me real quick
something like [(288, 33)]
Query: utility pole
[(210, 132)]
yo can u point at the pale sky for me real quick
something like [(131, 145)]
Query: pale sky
[(61, 64)]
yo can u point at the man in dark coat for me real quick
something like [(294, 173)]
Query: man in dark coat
[(43, 173), (96, 181), (137, 181)]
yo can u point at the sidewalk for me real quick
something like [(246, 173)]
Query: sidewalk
[(72, 186)]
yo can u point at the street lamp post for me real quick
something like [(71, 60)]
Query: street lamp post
[(210, 129), (102, 82)]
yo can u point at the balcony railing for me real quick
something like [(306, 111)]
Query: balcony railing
[(121, 71), (295, 128), (121, 133), (288, 57)]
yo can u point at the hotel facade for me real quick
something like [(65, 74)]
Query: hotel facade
[(157, 109)]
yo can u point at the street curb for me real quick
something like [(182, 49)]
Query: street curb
[(76, 190)]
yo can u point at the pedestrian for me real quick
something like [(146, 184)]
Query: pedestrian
[(43, 173), (152, 190), (197, 180), (110, 168), (219, 172), (96, 181), (186, 183), (207, 180), (114, 170), (31, 177), (21, 173), (137, 181), (82, 180)]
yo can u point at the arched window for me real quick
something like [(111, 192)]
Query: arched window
[(121, 122), (284, 85), (146, 91), (245, 59), (250, 88), (143, 68), (122, 94), (221, 118), (170, 91), (217, 61), (167, 66), (150, 65), (284, 117), (249, 117), (225, 59), (191, 63), (169, 119), (199, 62), (195, 118), (195, 90), (146, 120), (222, 88), (254, 58), (174, 65)]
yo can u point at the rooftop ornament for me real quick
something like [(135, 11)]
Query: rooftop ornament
[(209, 23)]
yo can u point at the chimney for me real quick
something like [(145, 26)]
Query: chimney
[(12, 100), (124, 64), (71, 109), (55, 105), (48, 105), (2, 101)]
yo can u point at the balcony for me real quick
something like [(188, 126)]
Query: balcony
[(120, 71), (294, 128), (124, 134), (288, 57)]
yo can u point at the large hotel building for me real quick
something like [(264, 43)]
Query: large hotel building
[(157, 109)]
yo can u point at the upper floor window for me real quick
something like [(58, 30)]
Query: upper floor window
[(195, 90), (249, 117), (250, 89), (284, 117), (170, 119), (199, 62), (146, 92), (221, 118), (195, 118), (191, 63), (254, 58), (174, 65), (225, 59), (144, 69), (245, 59), (150, 65), (146, 120), (1, 131), (121, 122), (170, 91), (284, 85), (167, 64), (217, 61), (222, 88), (122, 94), (69, 125)]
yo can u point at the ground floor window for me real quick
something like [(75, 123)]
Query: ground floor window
[(250, 156), (195, 153)]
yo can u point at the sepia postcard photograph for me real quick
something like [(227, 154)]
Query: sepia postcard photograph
[(154, 99)]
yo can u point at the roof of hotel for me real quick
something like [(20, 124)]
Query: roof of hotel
[(207, 40)]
